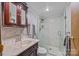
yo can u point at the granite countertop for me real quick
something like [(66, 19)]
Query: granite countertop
[(18, 47)]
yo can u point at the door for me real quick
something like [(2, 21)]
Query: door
[(75, 28)]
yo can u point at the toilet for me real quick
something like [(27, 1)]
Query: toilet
[(41, 51)]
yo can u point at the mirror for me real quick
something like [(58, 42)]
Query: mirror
[(12, 13)]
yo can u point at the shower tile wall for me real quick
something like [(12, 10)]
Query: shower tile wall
[(53, 33)]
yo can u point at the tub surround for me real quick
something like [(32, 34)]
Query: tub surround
[(19, 47)]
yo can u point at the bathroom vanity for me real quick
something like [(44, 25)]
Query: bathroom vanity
[(23, 48)]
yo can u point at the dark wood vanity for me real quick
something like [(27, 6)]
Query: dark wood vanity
[(31, 51)]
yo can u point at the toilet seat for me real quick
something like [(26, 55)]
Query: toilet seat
[(42, 51)]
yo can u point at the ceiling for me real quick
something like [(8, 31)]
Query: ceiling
[(48, 9)]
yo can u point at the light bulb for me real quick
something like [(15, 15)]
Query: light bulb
[(47, 9)]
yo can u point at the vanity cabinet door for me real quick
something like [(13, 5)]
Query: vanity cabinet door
[(32, 51)]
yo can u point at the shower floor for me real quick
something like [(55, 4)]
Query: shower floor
[(55, 52), (50, 54)]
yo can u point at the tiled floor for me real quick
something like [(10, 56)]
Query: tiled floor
[(50, 54)]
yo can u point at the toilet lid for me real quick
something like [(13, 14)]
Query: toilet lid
[(42, 50)]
